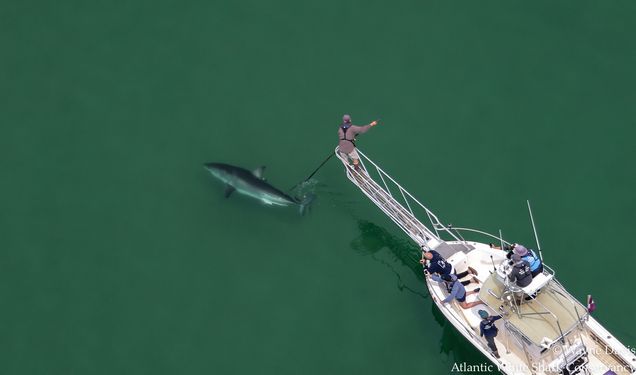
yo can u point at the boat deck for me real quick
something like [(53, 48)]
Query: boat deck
[(538, 319), (523, 334)]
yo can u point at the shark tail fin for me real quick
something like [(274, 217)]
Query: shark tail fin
[(306, 202)]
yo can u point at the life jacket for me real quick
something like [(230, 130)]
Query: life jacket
[(344, 128), (533, 260)]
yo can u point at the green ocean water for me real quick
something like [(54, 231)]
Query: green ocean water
[(120, 255)]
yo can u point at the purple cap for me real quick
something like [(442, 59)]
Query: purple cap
[(521, 250), (346, 118)]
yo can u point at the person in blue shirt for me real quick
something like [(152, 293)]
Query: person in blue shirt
[(488, 329), (456, 291)]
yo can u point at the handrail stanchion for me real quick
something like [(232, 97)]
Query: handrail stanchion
[(362, 162), (404, 217), (406, 201), (432, 223), (381, 172)]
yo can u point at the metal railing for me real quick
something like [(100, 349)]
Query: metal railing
[(397, 202), (498, 238), (452, 314)]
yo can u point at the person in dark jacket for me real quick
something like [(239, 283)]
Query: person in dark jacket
[(437, 264), (536, 266), (488, 329), (521, 274), (347, 134)]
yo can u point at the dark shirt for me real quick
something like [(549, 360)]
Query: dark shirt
[(487, 326), (438, 264), (521, 274)]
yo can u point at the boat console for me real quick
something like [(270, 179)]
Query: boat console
[(538, 282)]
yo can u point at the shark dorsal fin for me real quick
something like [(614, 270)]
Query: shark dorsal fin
[(258, 172)]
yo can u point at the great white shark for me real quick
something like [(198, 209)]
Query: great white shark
[(252, 184)]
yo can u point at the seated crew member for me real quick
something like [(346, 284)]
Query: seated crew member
[(488, 329), (520, 274), (536, 266), (437, 264), (456, 291)]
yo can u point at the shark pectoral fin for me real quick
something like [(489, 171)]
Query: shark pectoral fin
[(305, 203), (258, 172), (228, 191)]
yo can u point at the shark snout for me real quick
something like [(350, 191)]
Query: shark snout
[(211, 165), (218, 170)]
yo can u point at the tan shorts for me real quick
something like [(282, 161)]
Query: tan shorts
[(353, 155)]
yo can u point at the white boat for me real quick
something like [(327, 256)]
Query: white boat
[(543, 329)]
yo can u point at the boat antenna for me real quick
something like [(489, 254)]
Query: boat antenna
[(534, 228), (494, 268)]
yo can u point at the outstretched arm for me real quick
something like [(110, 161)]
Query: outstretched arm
[(363, 129), (453, 293)]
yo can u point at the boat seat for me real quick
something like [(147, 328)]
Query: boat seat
[(472, 317), (482, 257), (472, 314), (537, 283), (459, 262), (480, 260)]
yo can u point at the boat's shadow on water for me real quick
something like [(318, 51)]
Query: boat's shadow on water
[(451, 343), (374, 238)]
